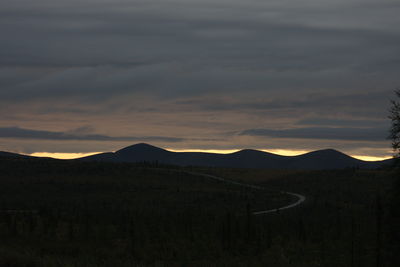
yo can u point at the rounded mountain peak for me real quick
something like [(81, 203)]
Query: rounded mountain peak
[(140, 148)]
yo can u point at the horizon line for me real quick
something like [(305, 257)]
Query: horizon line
[(281, 152)]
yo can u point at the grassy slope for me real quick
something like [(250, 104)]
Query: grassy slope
[(338, 224), (83, 209), (92, 214)]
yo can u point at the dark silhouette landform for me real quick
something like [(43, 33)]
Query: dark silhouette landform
[(325, 159), (247, 158)]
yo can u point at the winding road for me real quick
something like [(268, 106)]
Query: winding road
[(300, 198)]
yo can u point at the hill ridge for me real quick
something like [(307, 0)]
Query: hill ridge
[(245, 158)]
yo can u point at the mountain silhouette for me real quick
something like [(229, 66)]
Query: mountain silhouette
[(12, 155), (247, 158)]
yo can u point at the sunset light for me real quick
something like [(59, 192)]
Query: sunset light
[(282, 152), (200, 133), (62, 155)]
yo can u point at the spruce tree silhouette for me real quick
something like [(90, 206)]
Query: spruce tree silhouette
[(395, 127), (394, 218)]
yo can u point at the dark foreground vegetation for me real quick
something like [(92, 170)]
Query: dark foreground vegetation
[(68, 213)]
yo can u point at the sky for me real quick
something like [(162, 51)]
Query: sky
[(280, 75)]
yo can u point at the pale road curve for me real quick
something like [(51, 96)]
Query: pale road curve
[(300, 198)]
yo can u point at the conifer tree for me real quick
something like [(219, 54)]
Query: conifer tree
[(394, 219), (394, 116)]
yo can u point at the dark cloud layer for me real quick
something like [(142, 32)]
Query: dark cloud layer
[(196, 70), (330, 133), (77, 135)]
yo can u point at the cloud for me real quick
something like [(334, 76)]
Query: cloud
[(195, 68), (117, 46), (365, 123), (334, 108), (21, 133), (329, 133)]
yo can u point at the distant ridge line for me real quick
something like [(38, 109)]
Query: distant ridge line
[(246, 158)]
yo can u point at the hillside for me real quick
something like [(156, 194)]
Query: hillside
[(317, 160)]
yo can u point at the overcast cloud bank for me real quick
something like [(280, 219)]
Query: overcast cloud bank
[(198, 71)]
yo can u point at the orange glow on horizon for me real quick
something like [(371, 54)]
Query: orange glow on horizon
[(370, 158), (286, 152), (282, 152), (217, 151), (62, 155)]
